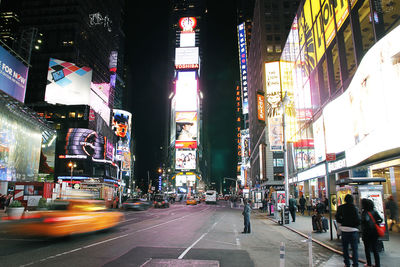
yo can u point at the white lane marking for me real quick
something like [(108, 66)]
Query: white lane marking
[(108, 240), (195, 242), (146, 262), (236, 236), (130, 220)]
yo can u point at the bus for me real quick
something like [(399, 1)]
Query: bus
[(211, 197)]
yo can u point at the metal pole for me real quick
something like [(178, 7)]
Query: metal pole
[(328, 189), (72, 170), (310, 261), (282, 255), (286, 167)]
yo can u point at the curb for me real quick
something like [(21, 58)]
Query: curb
[(315, 240)]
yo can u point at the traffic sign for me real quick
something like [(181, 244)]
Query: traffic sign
[(330, 156)]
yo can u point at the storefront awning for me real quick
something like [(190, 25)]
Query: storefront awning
[(360, 180)]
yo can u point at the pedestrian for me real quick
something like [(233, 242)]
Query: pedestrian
[(369, 218), (347, 215), (292, 207), (319, 209), (2, 201), (246, 216), (302, 202), (326, 204), (391, 205)]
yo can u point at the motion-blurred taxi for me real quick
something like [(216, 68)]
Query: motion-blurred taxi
[(65, 217), (191, 201)]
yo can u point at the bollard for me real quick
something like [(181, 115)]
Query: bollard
[(310, 260), (282, 255)]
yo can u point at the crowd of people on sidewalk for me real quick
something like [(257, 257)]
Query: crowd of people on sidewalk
[(5, 201)]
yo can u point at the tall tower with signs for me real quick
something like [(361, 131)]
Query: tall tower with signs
[(185, 110)]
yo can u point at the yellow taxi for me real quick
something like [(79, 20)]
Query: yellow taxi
[(65, 217), (191, 201)]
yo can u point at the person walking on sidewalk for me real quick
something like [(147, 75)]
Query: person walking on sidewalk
[(347, 215), (391, 205), (246, 216), (292, 207), (302, 202), (369, 217)]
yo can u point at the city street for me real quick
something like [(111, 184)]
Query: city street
[(202, 235)]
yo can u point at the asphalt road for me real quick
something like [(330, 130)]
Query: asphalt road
[(202, 235)]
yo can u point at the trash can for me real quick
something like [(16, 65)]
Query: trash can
[(284, 215)]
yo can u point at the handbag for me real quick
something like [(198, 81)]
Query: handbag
[(380, 229)]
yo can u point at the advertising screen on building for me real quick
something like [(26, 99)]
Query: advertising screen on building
[(19, 150), (121, 124), (245, 145), (13, 75), (273, 88), (243, 67), (185, 159), (186, 55), (67, 83), (187, 39), (186, 91), (260, 107), (275, 133), (100, 106), (186, 130), (85, 142)]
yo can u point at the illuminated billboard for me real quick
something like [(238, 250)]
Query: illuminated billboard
[(121, 124), (275, 133), (99, 105), (245, 145), (19, 149), (186, 91), (260, 107), (186, 130), (186, 55), (187, 39), (67, 83), (187, 24), (273, 88), (85, 142), (113, 61), (185, 159), (243, 67), (13, 75)]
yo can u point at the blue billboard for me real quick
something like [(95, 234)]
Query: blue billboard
[(243, 67), (13, 75)]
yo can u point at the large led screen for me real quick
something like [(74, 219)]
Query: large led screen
[(243, 67), (186, 55), (121, 124), (99, 103), (187, 39), (186, 91), (19, 150), (185, 159), (13, 75), (67, 83), (186, 130), (85, 142)]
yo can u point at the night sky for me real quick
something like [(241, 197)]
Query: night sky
[(147, 58)]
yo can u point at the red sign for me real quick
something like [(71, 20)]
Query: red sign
[(187, 24), (260, 107), (185, 144), (186, 66), (330, 157)]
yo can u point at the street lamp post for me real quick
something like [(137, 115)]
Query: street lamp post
[(72, 166), (285, 101)]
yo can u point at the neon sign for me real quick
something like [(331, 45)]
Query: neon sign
[(187, 24)]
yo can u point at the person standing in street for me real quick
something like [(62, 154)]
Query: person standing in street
[(302, 202), (347, 215), (391, 205), (246, 216), (369, 217), (320, 209), (292, 207)]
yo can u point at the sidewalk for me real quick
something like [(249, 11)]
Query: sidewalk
[(389, 257)]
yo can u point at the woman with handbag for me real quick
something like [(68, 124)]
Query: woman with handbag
[(369, 219)]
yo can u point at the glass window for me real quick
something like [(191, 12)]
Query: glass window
[(270, 48), (277, 37), (71, 115), (315, 102), (367, 32), (269, 37), (324, 87), (349, 47), (278, 49), (80, 115), (268, 27), (336, 68), (391, 13)]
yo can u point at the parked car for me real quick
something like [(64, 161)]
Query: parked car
[(63, 218), (136, 204), (160, 201), (191, 201)]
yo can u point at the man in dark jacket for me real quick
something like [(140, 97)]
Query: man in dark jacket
[(349, 218), (246, 216), (302, 202), (292, 207)]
